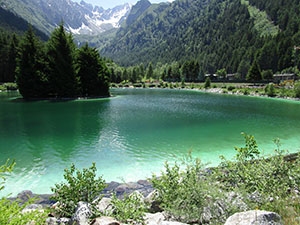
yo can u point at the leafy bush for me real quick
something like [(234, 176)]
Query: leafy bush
[(6, 168), (297, 89), (185, 194), (230, 88), (79, 186), (270, 90), (272, 178), (131, 209), (11, 213), (207, 83)]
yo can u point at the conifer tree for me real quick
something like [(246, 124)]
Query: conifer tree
[(92, 72), (30, 71), (12, 55), (61, 56), (254, 73), (150, 71)]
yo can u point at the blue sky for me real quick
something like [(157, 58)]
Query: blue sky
[(111, 3)]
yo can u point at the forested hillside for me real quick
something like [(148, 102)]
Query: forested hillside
[(216, 33)]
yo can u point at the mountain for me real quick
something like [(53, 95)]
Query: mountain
[(216, 33), (79, 18), (11, 23)]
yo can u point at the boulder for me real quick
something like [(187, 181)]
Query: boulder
[(104, 205), (152, 202), (104, 220), (254, 217), (82, 214), (24, 196), (31, 208), (51, 221), (153, 219), (64, 221)]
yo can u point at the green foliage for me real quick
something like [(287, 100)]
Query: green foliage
[(270, 90), (184, 193), (6, 168), (61, 60), (207, 83), (267, 74), (272, 177), (254, 73), (30, 71), (131, 209), (221, 73), (250, 151), (297, 89), (11, 213), (79, 186), (92, 73)]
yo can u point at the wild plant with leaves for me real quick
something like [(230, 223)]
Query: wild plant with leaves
[(79, 186), (131, 209)]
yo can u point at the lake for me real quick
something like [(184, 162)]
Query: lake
[(131, 135)]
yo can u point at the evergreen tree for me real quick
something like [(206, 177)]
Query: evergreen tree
[(61, 56), (12, 55), (254, 73), (150, 71), (30, 70), (92, 73)]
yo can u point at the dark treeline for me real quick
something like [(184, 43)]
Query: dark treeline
[(56, 68)]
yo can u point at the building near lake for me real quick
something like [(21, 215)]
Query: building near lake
[(283, 77)]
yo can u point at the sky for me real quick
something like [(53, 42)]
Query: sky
[(112, 3)]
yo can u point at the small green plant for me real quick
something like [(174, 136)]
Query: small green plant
[(131, 209), (297, 89), (6, 168), (207, 83), (11, 213), (270, 90), (184, 194), (230, 88), (79, 186)]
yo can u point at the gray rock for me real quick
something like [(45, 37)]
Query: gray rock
[(104, 220), (171, 223), (153, 219), (51, 221), (82, 214), (24, 196), (104, 205), (64, 221), (152, 202), (145, 183), (254, 217), (139, 195), (31, 208), (127, 188)]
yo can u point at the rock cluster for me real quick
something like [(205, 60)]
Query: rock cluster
[(156, 216)]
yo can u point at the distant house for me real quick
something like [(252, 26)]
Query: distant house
[(231, 76), (282, 77), (211, 76)]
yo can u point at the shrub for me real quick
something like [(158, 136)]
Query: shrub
[(297, 89), (131, 209), (230, 88), (207, 83), (79, 186), (11, 213), (185, 194), (6, 168), (11, 86), (270, 90)]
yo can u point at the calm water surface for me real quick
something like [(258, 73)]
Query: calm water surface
[(131, 135)]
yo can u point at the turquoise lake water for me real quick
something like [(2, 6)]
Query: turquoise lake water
[(129, 136)]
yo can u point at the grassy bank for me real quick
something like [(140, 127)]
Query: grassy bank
[(284, 90)]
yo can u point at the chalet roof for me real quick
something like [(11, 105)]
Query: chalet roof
[(284, 75)]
